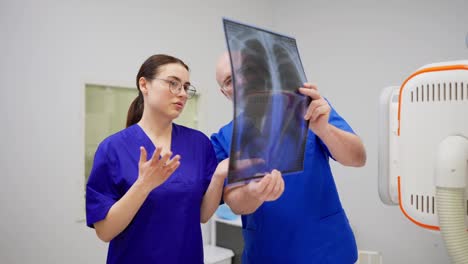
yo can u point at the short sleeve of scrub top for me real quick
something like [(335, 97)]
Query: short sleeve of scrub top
[(101, 192), (336, 120)]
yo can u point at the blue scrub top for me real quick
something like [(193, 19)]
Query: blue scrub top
[(307, 224), (166, 229)]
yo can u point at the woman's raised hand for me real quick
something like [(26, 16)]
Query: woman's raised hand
[(155, 171)]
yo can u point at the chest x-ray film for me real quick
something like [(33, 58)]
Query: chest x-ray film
[(269, 130)]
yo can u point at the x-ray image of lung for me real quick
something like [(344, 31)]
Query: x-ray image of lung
[(269, 130)]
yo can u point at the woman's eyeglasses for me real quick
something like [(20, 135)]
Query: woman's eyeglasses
[(176, 87)]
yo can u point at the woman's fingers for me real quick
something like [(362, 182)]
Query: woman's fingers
[(142, 154), (172, 165), (163, 161), (156, 170), (156, 154)]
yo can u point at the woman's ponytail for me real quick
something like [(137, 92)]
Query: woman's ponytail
[(135, 111)]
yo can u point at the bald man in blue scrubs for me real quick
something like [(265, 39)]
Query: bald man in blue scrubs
[(302, 221)]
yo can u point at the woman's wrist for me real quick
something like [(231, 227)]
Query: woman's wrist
[(141, 187)]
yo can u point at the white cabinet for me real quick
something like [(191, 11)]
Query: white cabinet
[(215, 219), (227, 234), (213, 253), (217, 255)]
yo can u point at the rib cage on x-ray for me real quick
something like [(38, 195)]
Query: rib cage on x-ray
[(269, 129)]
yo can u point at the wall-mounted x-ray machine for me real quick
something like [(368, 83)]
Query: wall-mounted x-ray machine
[(423, 151)]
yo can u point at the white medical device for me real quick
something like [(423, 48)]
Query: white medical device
[(423, 151)]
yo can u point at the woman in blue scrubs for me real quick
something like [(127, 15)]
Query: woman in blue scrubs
[(154, 182)]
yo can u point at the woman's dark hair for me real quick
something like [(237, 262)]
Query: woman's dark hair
[(148, 70)]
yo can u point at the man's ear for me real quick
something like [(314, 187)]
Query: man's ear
[(143, 85)]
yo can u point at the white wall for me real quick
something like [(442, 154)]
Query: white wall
[(50, 49), (352, 50)]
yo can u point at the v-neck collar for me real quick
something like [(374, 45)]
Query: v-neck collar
[(142, 137)]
